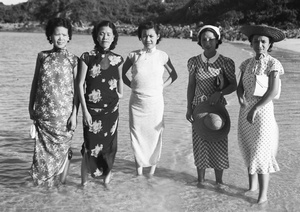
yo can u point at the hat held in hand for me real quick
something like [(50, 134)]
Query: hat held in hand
[(211, 122)]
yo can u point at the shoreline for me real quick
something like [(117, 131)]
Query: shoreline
[(291, 44)]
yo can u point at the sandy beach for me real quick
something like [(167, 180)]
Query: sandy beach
[(174, 187)]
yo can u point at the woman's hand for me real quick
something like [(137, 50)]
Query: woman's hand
[(31, 114), (72, 122), (251, 115), (242, 101), (189, 115), (87, 119)]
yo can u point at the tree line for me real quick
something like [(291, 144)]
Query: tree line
[(284, 14)]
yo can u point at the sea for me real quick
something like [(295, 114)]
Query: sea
[(173, 188)]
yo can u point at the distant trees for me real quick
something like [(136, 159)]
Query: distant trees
[(281, 13)]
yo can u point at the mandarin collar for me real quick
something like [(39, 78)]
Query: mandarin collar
[(62, 50), (145, 50), (261, 56), (210, 60)]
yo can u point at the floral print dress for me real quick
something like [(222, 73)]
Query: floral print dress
[(102, 100), (52, 108)]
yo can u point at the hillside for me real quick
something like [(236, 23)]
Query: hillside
[(229, 14)]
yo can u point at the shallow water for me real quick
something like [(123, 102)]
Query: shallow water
[(173, 188)]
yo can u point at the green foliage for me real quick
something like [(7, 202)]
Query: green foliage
[(281, 13)]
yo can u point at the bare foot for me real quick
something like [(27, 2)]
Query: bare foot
[(262, 200), (107, 178)]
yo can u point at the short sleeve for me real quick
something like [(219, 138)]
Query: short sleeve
[(164, 57), (131, 56), (244, 65), (229, 68), (275, 65), (191, 65), (85, 58)]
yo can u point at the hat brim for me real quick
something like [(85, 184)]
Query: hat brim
[(202, 130), (264, 30)]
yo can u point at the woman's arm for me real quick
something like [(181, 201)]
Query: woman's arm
[(172, 73), (72, 121), (34, 88), (190, 96), (120, 82), (272, 91), (126, 66), (240, 91), (87, 119)]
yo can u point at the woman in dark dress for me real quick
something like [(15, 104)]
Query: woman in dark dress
[(100, 87)]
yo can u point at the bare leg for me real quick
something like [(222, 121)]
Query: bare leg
[(63, 175), (152, 170), (263, 180), (219, 176), (253, 181), (107, 178), (84, 174), (201, 175), (139, 169)]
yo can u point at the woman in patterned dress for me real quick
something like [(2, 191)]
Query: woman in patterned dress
[(257, 127), (53, 105), (146, 106), (100, 87), (203, 70)]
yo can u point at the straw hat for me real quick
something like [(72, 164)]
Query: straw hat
[(211, 122), (264, 30)]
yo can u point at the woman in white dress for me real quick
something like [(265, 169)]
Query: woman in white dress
[(257, 127), (146, 106)]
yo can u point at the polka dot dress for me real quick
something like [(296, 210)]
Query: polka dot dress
[(258, 141), (208, 154)]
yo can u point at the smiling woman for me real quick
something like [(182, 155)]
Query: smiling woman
[(10, 2)]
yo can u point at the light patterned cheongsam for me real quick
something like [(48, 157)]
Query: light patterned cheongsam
[(52, 107), (258, 141)]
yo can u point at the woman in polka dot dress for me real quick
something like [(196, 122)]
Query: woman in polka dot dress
[(203, 70), (257, 127)]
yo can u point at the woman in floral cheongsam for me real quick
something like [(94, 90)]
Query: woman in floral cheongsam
[(53, 105), (100, 87)]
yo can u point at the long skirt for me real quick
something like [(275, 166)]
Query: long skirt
[(146, 128), (100, 142), (50, 152)]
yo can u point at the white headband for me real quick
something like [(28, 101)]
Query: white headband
[(214, 28)]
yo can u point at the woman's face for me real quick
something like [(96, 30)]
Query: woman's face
[(260, 44), (60, 37), (149, 38), (208, 41), (105, 37)]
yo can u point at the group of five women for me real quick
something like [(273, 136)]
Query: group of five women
[(58, 88)]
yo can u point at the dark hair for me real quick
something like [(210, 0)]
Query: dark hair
[(96, 31), (149, 25), (215, 34), (57, 22), (270, 41)]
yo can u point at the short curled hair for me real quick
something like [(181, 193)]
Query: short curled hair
[(96, 32), (250, 39), (57, 22), (215, 34), (149, 25)]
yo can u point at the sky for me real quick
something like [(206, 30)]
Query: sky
[(9, 2)]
